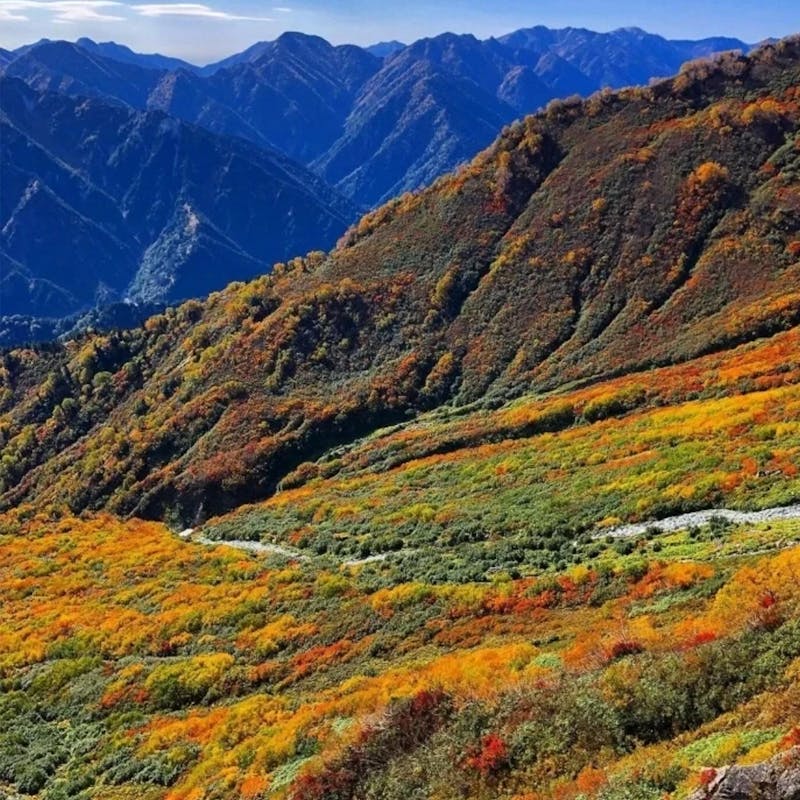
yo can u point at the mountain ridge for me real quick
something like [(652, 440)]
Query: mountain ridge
[(85, 167), (372, 127), (247, 94), (120, 52)]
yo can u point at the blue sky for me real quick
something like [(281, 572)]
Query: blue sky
[(209, 29)]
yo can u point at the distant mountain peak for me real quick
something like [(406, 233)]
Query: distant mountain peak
[(385, 49), (300, 38), (123, 53), (635, 29)]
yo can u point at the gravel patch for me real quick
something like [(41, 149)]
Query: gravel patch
[(697, 518)]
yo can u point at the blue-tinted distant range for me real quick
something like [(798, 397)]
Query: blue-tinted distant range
[(202, 32), (141, 178)]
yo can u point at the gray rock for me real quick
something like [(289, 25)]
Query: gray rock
[(696, 518), (776, 779)]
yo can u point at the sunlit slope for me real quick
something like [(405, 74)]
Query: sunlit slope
[(636, 229), (135, 665), (456, 494)]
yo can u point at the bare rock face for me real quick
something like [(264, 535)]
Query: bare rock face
[(776, 779)]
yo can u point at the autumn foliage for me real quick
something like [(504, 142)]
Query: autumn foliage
[(212, 675), (598, 239), (433, 434)]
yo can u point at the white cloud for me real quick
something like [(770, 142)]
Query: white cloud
[(189, 10), (282, 9), (10, 13), (64, 11)]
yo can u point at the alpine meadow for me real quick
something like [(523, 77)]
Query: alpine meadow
[(497, 499)]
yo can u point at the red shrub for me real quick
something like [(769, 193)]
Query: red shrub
[(792, 739), (707, 776), (490, 757), (702, 637)]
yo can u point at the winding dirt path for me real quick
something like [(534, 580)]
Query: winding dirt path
[(666, 525), (256, 548)]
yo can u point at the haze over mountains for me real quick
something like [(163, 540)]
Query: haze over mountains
[(314, 131)]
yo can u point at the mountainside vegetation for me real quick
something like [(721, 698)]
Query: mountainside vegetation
[(597, 239), (137, 665), (420, 448)]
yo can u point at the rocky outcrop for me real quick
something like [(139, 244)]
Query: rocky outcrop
[(776, 779)]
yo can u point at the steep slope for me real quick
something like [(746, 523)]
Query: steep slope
[(185, 95), (100, 202), (433, 105), (407, 128), (296, 91), (643, 228)]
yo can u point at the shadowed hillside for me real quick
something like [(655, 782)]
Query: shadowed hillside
[(102, 203)]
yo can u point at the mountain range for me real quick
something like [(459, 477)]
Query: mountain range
[(373, 122), (595, 239), (108, 150)]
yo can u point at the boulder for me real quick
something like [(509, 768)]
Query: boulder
[(776, 779)]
